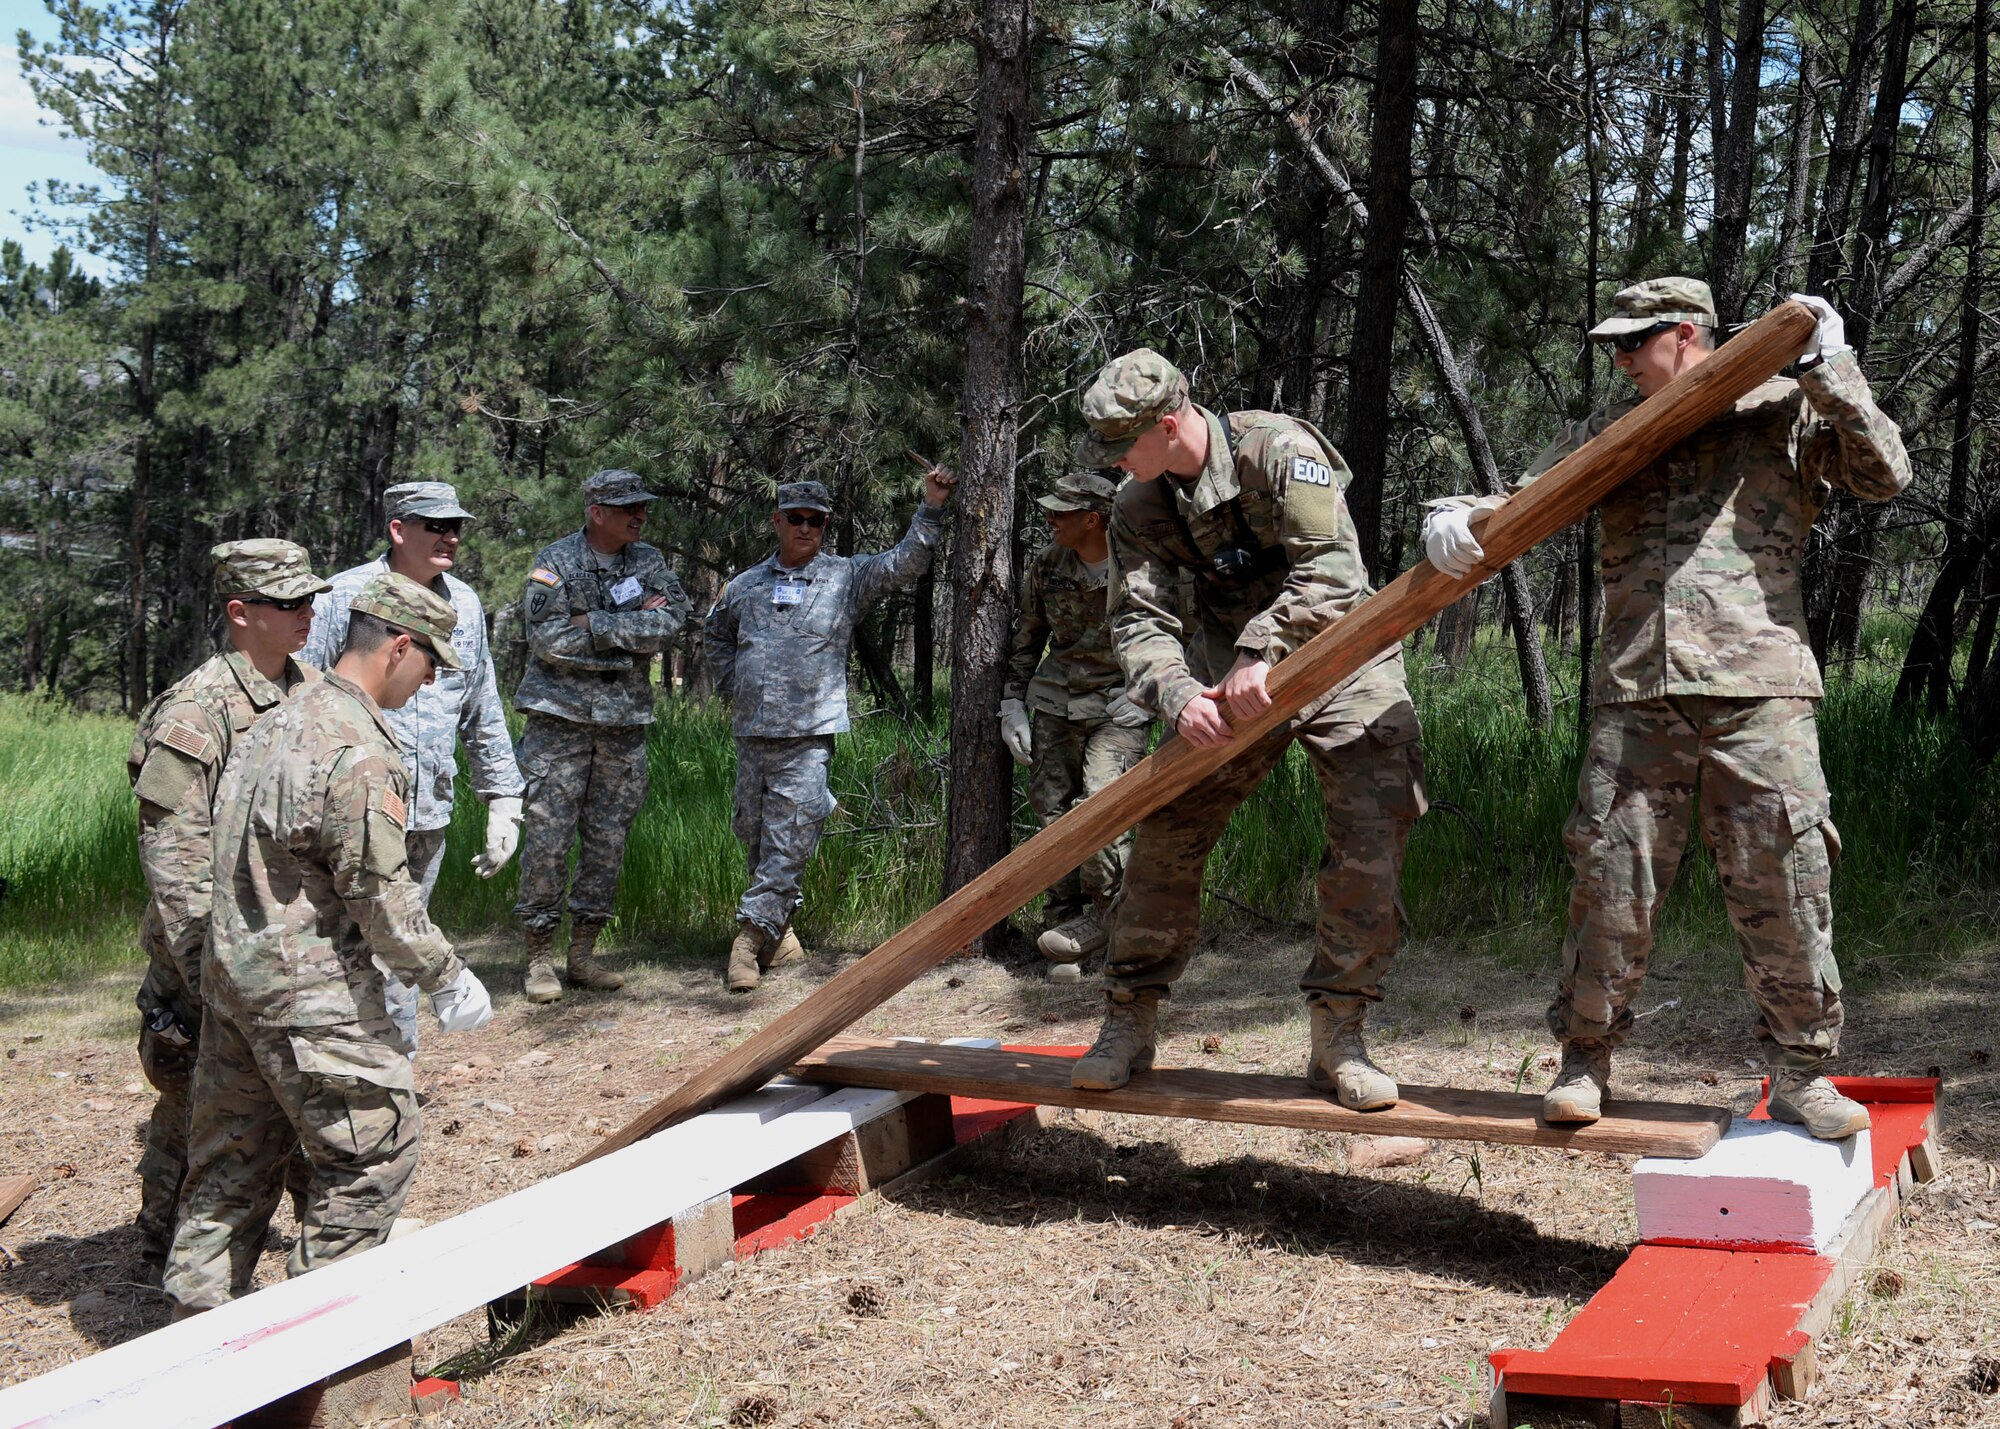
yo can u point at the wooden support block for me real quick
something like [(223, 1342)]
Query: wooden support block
[(705, 1236), (13, 1191), (1766, 1184), (870, 1156), (1666, 1129), (1926, 1164)]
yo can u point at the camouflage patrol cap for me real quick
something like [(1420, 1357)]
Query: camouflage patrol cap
[(1129, 394), (1081, 491), (426, 615), (435, 499), (616, 488), (281, 570), (1656, 301), (804, 496)]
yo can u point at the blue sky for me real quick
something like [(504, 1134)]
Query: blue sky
[(29, 149)]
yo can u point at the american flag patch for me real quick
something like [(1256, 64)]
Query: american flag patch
[(545, 576), (392, 805), (187, 739)]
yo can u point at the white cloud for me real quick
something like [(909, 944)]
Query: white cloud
[(25, 125)]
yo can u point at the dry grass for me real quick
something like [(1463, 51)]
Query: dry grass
[(1127, 1272)]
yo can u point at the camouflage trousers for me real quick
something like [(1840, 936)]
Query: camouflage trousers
[(1073, 759), (1766, 817), (426, 857), (1371, 781), (169, 1067), (782, 805), (344, 1095), (570, 768)]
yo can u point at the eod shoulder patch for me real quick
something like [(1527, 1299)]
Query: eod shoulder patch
[(1313, 473)]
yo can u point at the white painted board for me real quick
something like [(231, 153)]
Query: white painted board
[(1764, 1184)]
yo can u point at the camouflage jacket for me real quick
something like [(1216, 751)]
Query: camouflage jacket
[(776, 640), (1062, 608), (312, 881), (602, 675), (1265, 533), (183, 739), (1702, 549), (458, 706)]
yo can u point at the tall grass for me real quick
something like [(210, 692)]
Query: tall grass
[(1921, 833)]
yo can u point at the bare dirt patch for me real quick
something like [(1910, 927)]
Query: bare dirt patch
[(1108, 1272)]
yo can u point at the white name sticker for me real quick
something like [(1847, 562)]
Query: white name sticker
[(1312, 472), (788, 593), (627, 589)]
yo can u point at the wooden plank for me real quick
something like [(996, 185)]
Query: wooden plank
[(1650, 1128), (13, 1191), (1556, 501)]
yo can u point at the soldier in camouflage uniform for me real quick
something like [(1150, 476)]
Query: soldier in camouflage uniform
[(460, 706), (1706, 685), (600, 604), (1083, 733), (178, 752), (776, 644), (313, 898), (1250, 506)]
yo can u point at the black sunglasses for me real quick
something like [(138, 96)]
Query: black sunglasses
[(814, 519), (1630, 342), (444, 528), (288, 606)]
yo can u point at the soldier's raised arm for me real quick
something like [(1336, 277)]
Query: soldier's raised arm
[(901, 565)]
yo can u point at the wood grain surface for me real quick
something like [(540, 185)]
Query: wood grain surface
[(1557, 500), (1670, 1129)]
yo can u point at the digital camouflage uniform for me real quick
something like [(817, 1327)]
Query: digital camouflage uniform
[(776, 644), (182, 742), (588, 698), (459, 706), (1077, 748), (1266, 536), (1706, 686), (312, 892)]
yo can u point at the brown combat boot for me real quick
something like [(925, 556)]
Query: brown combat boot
[(1581, 1082), (584, 968), (786, 951), (540, 984), (1338, 1060), (1807, 1099), (1125, 1043), (745, 959), (1075, 939)]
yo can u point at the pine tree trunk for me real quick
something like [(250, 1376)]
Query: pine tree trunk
[(982, 574), (1735, 139)]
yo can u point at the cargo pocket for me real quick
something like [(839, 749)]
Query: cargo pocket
[(1815, 842), (357, 1095), (1398, 733)]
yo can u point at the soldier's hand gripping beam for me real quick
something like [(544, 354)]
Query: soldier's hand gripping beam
[(1561, 497)]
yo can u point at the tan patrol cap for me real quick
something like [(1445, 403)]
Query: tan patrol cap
[(1656, 301), (1081, 491), (406, 605), (1130, 393), (281, 570)]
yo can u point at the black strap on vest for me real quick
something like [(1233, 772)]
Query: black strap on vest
[(1244, 563)]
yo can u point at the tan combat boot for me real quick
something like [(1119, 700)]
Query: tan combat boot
[(788, 950), (584, 968), (1125, 1043), (1076, 939), (1809, 1100), (541, 984), (1581, 1081), (1338, 1061), (745, 959)]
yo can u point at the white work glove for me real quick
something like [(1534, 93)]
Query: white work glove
[(1126, 715), (503, 835), (1449, 542), (1014, 731), (1832, 335), (462, 1005)]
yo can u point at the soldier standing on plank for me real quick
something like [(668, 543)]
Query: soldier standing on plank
[(178, 751), (1706, 682), (1250, 505), (776, 643), (600, 604), (461, 706), (313, 899), (1084, 732)]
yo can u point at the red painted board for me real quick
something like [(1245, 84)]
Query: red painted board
[(768, 1219), (1898, 1110), (1662, 1381), (431, 1387), (643, 1289)]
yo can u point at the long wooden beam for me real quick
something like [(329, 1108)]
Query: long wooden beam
[(1557, 500)]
